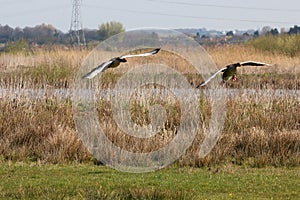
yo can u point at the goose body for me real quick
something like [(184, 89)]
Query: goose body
[(230, 71), (115, 62)]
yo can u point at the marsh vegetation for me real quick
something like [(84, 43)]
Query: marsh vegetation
[(260, 130)]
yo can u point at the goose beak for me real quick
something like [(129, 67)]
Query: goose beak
[(234, 78)]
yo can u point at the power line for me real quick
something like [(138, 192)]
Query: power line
[(38, 10), (225, 6), (189, 16), (10, 3)]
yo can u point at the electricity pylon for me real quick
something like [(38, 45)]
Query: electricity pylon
[(76, 29)]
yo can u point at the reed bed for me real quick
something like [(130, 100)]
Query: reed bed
[(58, 68), (259, 130)]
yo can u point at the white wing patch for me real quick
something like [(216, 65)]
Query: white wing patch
[(97, 70), (143, 54), (254, 63), (210, 78)]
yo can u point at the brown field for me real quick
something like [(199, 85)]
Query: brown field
[(259, 130)]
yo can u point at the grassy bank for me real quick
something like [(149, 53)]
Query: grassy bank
[(25, 181)]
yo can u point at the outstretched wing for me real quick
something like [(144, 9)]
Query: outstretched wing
[(105, 65), (97, 70), (254, 63), (143, 54), (213, 76)]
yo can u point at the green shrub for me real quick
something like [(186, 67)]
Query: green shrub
[(16, 46), (284, 44)]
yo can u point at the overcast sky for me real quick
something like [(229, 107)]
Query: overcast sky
[(212, 14)]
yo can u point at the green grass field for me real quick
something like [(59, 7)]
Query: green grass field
[(86, 181)]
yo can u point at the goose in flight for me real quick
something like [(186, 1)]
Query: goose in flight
[(115, 62), (230, 71)]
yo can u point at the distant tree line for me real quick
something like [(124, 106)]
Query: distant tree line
[(274, 31), (40, 34), (45, 34)]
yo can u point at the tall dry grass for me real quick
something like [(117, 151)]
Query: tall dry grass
[(39, 130), (54, 68), (259, 130), (58, 67)]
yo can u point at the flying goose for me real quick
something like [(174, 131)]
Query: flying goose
[(115, 62), (230, 71)]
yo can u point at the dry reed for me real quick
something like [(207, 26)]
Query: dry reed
[(259, 130)]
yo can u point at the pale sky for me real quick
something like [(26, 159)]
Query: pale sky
[(211, 14)]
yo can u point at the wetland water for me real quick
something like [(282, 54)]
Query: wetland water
[(31, 94)]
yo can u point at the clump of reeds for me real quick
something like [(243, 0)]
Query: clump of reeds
[(55, 68), (39, 130), (259, 130)]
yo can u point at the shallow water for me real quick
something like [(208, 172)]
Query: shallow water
[(31, 94)]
